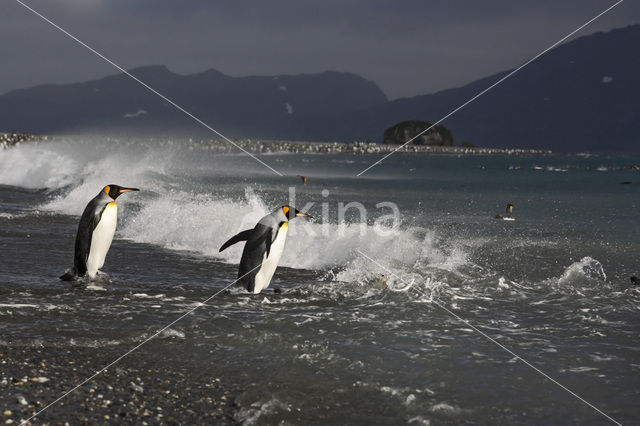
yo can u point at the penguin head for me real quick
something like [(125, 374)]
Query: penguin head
[(509, 208), (291, 213), (114, 191)]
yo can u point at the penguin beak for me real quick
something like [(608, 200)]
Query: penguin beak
[(123, 190), (304, 215)]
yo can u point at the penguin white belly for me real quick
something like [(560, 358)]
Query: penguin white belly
[(101, 239), (269, 264)]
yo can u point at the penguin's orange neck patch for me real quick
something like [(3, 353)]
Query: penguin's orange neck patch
[(107, 189), (285, 225), (285, 209)]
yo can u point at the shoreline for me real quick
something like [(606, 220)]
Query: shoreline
[(300, 147), (356, 148)]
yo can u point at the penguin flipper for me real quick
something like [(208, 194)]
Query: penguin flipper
[(268, 242), (242, 236), (260, 234)]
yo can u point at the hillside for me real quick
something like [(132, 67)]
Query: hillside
[(583, 95), (240, 107)]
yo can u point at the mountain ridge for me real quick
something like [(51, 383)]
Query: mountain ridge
[(582, 95)]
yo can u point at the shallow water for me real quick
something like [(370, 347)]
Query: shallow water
[(338, 344)]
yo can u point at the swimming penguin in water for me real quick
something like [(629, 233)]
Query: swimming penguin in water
[(303, 179), (383, 281), (265, 244), (508, 213), (95, 233)]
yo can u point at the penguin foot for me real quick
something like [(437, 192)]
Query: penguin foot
[(102, 276), (69, 275)]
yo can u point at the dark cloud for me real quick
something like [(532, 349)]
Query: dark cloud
[(410, 47)]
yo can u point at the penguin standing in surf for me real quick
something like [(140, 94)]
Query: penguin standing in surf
[(265, 244), (95, 233)]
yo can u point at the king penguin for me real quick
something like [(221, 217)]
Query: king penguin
[(508, 213), (263, 248), (95, 233)]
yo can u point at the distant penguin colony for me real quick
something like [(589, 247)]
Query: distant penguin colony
[(263, 248), (95, 233)]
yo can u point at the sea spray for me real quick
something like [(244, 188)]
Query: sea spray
[(190, 202)]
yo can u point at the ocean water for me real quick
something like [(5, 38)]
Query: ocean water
[(359, 333)]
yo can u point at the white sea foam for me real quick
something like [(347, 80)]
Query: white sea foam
[(157, 297), (94, 343), (583, 369), (95, 287), (147, 296), (251, 415), (446, 408), (202, 223), (586, 268), (170, 332), (17, 305), (36, 166), (418, 420)]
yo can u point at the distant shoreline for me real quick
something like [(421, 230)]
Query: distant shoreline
[(376, 148), (303, 147)]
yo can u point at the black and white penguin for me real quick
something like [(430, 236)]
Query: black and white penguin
[(508, 213), (95, 233), (263, 248)]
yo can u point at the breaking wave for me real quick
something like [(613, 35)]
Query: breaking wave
[(188, 203), (194, 200)]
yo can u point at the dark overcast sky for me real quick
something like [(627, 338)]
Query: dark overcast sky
[(408, 47)]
